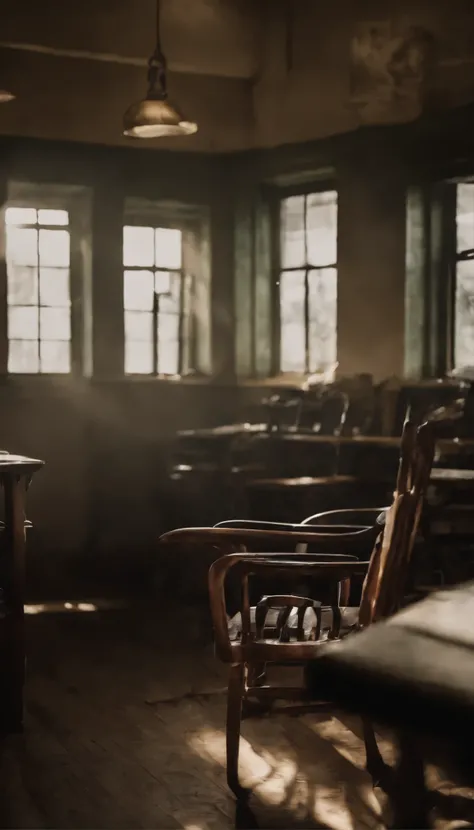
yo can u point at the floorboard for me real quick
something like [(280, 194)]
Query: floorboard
[(124, 729)]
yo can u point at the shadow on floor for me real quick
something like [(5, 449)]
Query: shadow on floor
[(125, 728)]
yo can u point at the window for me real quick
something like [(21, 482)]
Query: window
[(308, 282), (38, 290), (157, 301), (464, 282)]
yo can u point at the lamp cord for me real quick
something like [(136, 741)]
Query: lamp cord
[(158, 27), (289, 33), (157, 84)]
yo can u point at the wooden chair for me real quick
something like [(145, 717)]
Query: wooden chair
[(289, 630), (360, 529), (351, 542)]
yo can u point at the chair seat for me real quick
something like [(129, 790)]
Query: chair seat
[(349, 619)]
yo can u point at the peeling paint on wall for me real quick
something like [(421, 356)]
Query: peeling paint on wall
[(388, 69)]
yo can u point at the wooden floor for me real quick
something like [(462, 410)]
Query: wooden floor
[(124, 729)]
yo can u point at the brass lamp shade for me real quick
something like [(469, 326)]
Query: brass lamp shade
[(154, 118), (6, 96)]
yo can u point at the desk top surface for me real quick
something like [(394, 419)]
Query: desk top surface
[(451, 475), (415, 669), (260, 432), (439, 475)]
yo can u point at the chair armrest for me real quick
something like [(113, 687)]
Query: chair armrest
[(276, 564), (359, 517), (287, 527), (227, 539)]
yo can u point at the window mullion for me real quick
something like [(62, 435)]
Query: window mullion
[(181, 323), (3, 278), (156, 340), (443, 278), (275, 292), (76, 292), (306, 285), (38, 296)]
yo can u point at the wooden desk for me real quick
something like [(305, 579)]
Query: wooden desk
[(439, 475), (294, 497), (16, 472), (301, 482), (422, 657), (414, 672), (463, 478), (261, 432)]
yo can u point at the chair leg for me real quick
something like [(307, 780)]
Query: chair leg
[(374, 763), (256, 674), (235, 696), (409, 795)]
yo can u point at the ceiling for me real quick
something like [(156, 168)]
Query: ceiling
[(202, 37), (252, 73)]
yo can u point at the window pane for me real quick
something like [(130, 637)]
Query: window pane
[(138, 294), (292, 322), (55, 324), (139, 326), (464, 315), (168, 358), (54, 287), (22, 285), (167, 248), (170, 303), (323, 319), (20, 216), (168, 327), (162, 282), (292, 297), (55, 357), (54, 248), (23, 356), (138, 358), (292, 236), (292, 348), (321, 228), (465, 217), (23, 323), (22, 246), (138, 246), (53, 217)]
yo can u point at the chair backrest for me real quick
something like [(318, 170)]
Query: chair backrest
[(386, 577)]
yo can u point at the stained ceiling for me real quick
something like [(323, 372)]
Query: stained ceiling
[(202, 37), (251, 73)]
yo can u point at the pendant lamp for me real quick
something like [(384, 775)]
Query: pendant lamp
[(155, 116)]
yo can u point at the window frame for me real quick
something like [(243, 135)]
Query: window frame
[(22, 194), (149, 221), (435, 221), (275, 195), (193, 222), (457, 257)]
